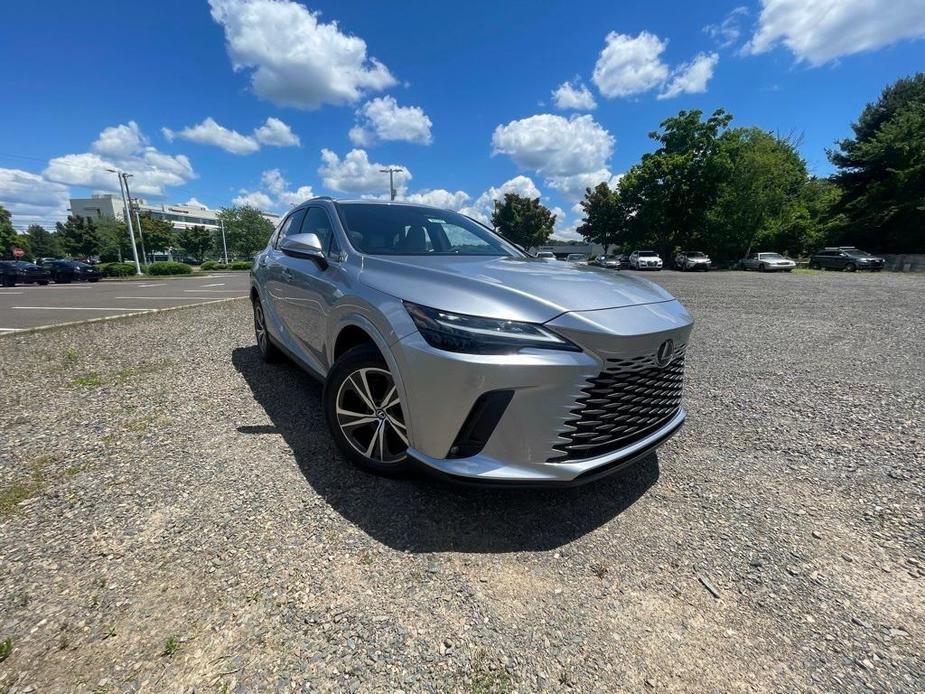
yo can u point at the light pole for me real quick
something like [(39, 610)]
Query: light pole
[(128, 219), (391, 172), (224, 245), (141, 238)]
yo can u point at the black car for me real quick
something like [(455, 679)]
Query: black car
[(64, 271), (847, 258), (13, 272)]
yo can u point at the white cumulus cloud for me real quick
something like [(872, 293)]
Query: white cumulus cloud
[(274, 193), (818, 31), (209, 132), (575, 96), (382, 119), (554, 145), (293, 58), (31, 199), (122, 147), (484, 205), (356, 174), (630, 65), (276, 133), (439, 198), (692, 77), (729, 30)]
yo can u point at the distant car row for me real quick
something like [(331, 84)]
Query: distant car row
[(13, 272), (847, 258)]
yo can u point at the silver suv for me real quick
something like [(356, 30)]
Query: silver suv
[(440, 343)]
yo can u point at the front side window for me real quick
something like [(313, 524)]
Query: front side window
[(378, 229), (317, 222)]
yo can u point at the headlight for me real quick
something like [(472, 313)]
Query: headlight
[(455, 332)]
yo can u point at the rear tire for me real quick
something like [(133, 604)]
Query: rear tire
[(269, 352), (43, 282), (8, 281), (364, 412), (851, 267), (815, 266), (762, 268)]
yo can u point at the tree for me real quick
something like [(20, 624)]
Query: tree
[(43, 243), (605, 220), (668, 194), (158, 235), (195, 241), (763, 178), (881, 171), (246, 230), (8, 235), (115, 243), (522, 220), (79, 236)]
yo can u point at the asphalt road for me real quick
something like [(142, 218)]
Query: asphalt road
[(30, 305)]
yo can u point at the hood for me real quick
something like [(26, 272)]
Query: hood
[(526, 289)]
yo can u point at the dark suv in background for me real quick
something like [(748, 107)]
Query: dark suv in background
[(847, 258), (13, 272), (64, 271)]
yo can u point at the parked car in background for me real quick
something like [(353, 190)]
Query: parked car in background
[(64, 271), (13, 272), (847, 258), (645, 260), (611, 262), (441, 344), (549, 255), (579, 258), (692, 260), (767, 262)]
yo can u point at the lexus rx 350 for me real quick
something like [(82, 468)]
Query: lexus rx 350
[(440, 343)]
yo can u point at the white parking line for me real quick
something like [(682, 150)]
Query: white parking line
[(217, 284), (159, 284), (158, 298), (10, 292), (215, 291), (10, 330), (78, 308)]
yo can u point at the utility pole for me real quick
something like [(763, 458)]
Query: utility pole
[(391, 172), (141, 238), (224, 245), (128, 220)]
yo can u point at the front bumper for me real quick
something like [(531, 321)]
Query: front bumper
[(441, 388)]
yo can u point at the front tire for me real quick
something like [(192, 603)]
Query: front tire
[(43, 282), (268, 351), (851, 267), (364, 412)]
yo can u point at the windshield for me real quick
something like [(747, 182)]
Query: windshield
[(647, 254), (695, 254), (854, 253), (575, 256), (771, 256), (378, 229)]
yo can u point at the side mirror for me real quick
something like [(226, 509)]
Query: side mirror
[(304, 246)]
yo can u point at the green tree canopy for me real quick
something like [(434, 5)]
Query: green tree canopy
[(158, 234), (669, 193), (605, 220), (79, 236), (763, 177), (523, 220), (114, 240), (881, 171), (196, 241), (43, 243), (246, 230), (8, 235)]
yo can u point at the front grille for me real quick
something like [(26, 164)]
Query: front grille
[(627, 401)]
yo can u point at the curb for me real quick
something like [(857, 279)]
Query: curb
[(121, 316)]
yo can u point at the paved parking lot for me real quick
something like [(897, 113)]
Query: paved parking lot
[(31, 305), (174, 515)]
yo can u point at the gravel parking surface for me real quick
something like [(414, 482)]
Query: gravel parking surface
[(173, 515)]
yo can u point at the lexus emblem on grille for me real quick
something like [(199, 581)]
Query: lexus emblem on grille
[(665, 353)]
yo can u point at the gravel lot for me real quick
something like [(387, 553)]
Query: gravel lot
[(173, 515)]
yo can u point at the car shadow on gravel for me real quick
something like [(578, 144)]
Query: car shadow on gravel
[(418, 513)]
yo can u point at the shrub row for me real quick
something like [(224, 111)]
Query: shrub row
[(236, 265), (116, 269)]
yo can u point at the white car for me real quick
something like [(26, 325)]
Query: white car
[(645, 260), (549, 255), (767, 262), (578, 258)]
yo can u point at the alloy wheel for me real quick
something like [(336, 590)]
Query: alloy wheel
[(370, 417), (260, 327)]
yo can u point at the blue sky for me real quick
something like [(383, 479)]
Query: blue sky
[(272, 101)]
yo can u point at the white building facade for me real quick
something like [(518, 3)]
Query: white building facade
[(180, 215)]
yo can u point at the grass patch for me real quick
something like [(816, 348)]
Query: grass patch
[(70, 356), (38, 476), (171, 646), (89, 380), (6, 647), (483, 679)]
